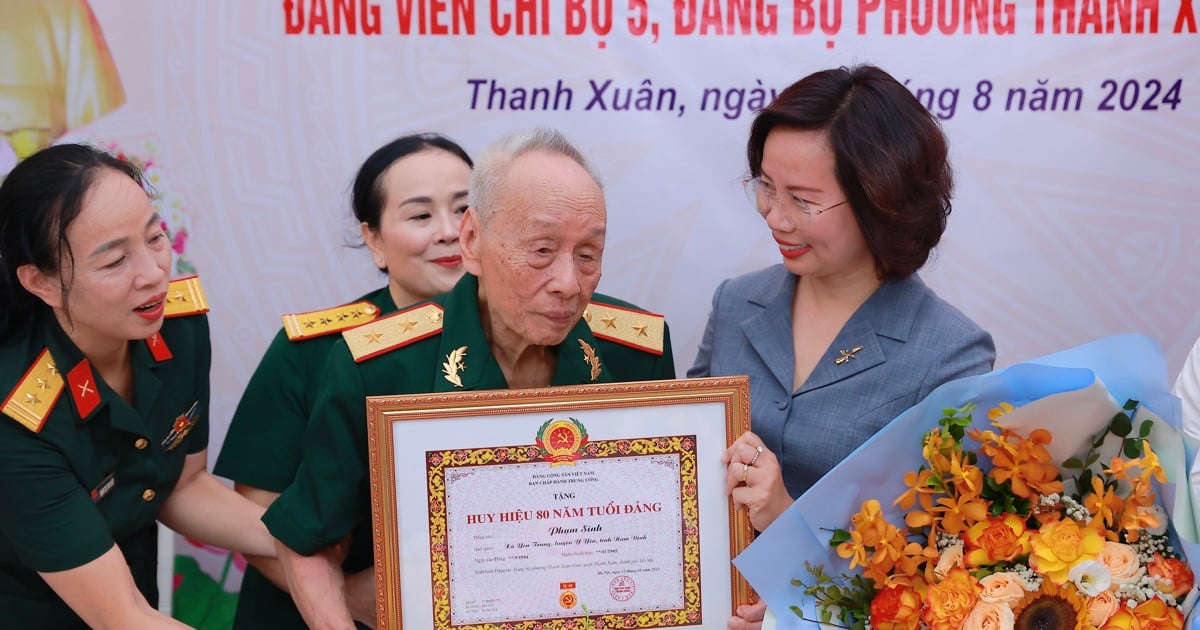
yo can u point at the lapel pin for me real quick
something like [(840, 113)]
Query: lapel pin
[(847, 355)]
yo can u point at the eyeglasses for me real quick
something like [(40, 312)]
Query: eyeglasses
[(762, 197)]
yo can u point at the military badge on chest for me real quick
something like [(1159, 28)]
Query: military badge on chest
[(183, 425)]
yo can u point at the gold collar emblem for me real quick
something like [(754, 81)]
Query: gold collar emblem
[(589, 355), (454, 365)]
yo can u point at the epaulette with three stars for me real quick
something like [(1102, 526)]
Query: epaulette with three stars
[(312, 324), (185, 297), (394, 331), (628, 327), (35, 394)]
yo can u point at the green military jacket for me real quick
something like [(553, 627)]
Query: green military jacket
[(262, 448), (330, 497), (81, 468)]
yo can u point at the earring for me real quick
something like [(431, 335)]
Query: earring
[(379, 260)]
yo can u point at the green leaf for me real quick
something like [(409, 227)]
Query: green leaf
[(1085, 481), (1133, 449), (1131, 404), (839, 536), (1144, 431), (1092, 459), (1121, 425), (1073, 462)]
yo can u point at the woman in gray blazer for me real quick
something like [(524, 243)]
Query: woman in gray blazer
[(850, 173)]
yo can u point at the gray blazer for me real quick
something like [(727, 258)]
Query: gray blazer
[(912, 341)]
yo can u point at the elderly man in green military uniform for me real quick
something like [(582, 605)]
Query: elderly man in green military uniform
[(524, 316)]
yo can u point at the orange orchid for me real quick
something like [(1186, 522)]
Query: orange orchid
[(920, 487), (960, 513), (1104, 504), (1150, 464)]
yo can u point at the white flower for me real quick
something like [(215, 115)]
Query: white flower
[(1090, 577)]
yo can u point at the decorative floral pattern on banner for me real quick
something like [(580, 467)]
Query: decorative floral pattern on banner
[(441, 463)]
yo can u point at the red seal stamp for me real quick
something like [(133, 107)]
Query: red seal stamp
[(568, 599), (622, 588)]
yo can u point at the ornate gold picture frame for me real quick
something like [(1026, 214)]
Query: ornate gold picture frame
[(590, 506)]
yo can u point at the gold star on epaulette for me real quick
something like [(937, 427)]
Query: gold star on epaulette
[(328, 321), (636, 329), (33, 398), (185, 297), (394, 331)]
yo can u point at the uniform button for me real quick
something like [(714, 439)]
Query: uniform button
[(783, 404), (148, 495), (141, 444)]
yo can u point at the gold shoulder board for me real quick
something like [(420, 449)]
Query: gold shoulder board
[(636, 329), (185, 297), (328, 321), (394, 331), (30, 403)]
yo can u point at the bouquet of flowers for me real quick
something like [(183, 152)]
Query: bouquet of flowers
[(1044, 512)]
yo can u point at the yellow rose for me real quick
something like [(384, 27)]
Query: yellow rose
[(1059, 546), (1123, 619), (1101, 608), (1005, 587), (949, 602), (1122, 563), (989, 616)]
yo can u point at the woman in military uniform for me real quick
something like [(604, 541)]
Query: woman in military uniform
[(409, 197), (104, 366)]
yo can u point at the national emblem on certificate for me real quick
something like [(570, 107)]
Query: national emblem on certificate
[(609, 513)]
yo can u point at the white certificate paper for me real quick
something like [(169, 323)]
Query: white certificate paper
[(532, 540)]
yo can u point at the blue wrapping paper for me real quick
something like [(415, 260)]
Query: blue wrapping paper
[(1129, 366)]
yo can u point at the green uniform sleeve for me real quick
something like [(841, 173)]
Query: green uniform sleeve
[(198, 439), (48, 517), (326, 500), (262, 448)]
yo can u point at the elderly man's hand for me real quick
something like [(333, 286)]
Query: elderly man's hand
[(749, 617)]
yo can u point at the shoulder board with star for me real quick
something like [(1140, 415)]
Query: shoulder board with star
[(185, 297), (628, 327), (35, 394), (312, 324), (394, 331)]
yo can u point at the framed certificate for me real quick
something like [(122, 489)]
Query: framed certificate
[(591, 506)]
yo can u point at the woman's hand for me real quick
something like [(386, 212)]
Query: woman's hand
[(749, 617), (754, 480)]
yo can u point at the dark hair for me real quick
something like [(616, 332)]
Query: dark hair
[(890, 158), (38, 201), (368, 195)]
